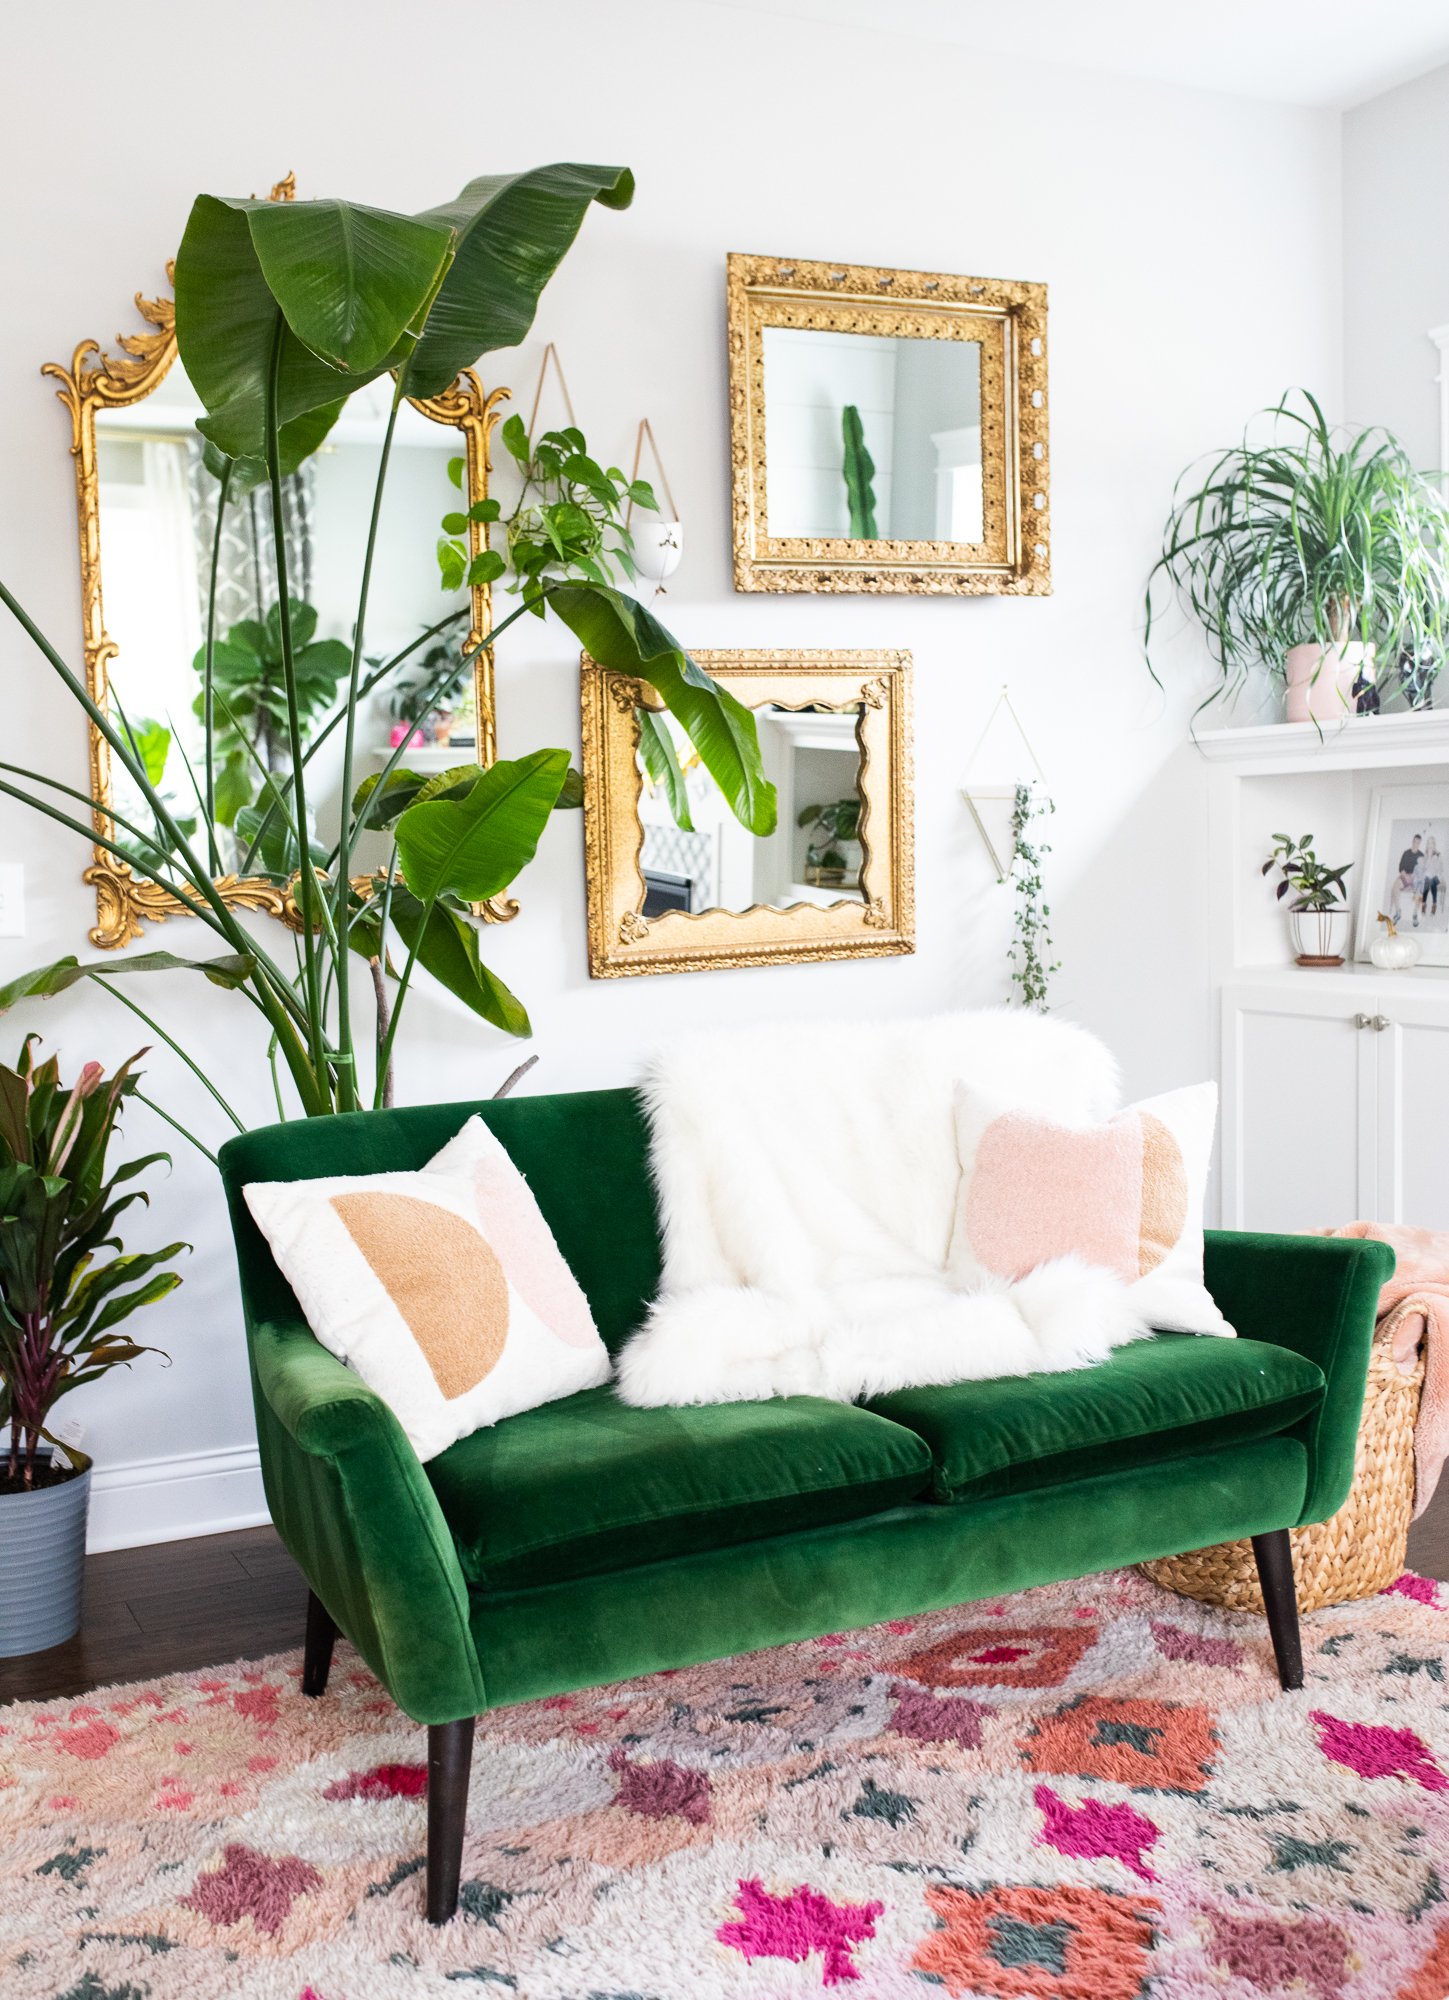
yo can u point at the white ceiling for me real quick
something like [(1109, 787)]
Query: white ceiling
[(1321, 52)]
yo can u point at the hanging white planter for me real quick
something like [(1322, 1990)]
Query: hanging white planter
[(658, 538), (658, 549)]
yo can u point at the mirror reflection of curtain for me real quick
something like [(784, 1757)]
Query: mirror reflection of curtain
[(246, 580), (152, 608)]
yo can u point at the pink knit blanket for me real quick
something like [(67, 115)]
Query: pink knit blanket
[(1414, 1309)]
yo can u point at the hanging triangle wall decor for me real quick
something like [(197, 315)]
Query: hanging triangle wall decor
[(1005, 726)]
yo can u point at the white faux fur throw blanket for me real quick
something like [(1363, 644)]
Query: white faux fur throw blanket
[(808, 1178)]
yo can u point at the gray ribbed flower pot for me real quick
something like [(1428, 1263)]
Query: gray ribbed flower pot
[(42, 1564)]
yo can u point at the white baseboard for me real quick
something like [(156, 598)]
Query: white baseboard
[(170, 1499)]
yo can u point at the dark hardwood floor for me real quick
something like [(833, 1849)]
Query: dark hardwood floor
[(170, 1607), (180, 1605)]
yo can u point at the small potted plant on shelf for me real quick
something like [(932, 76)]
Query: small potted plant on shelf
[(66, 1286), (833, 857), (1320, 556), (1318, 914)]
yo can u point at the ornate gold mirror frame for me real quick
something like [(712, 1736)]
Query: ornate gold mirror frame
[(96, 381), (877, 923), (1007, 318)]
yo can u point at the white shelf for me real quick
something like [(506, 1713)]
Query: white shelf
[(1355, 974), (429, 756), (1360, 742)]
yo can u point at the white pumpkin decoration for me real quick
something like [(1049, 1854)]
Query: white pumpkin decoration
[(1392, 951)]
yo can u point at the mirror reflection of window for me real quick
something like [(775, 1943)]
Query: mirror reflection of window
[(815, 854), (158, 519), (872, 437)]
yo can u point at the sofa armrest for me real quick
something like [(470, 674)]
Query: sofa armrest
[(355, 1507), (1317, 1295)]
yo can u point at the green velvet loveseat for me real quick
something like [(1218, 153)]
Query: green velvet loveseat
[(584, 1542)]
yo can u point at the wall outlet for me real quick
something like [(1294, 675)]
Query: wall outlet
[(12, 899)]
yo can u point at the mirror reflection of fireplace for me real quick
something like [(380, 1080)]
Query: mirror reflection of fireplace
[(664, 891)]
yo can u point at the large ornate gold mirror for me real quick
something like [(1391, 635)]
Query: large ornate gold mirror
[(834, 880), (147, 507), (888, 429)]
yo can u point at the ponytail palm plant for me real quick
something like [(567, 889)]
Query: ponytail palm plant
[(283, 311), (1307, 535)]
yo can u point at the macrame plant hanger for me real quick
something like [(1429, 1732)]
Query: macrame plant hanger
[(646, 430), (976, 795), (550, 353)]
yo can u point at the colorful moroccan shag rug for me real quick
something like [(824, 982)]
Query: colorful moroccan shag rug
[(1088, 1792)]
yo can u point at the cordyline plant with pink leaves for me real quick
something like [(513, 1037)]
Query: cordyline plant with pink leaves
[(61, 1296)]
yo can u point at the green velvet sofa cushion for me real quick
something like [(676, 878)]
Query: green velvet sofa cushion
[(897, 1564), (1152, 1400), (586, 1484)]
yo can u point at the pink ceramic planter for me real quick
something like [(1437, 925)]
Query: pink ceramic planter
[(1320, 680)]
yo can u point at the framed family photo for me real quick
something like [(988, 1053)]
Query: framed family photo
[(1406, 868)]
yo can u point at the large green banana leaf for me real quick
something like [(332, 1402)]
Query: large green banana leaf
[(621, 633), (474, 846), (346, 292)]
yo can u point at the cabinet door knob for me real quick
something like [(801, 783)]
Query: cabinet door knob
[(1362, 1020), (1380, 1022)]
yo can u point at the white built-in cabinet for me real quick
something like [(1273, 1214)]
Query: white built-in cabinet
[(1335, 1104), (1335, 1084)]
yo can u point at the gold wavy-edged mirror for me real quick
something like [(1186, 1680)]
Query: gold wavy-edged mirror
[(888, 430), (136, 474), (835, 880)]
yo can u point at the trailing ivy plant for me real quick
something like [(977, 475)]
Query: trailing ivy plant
[(1031, 949), (283, 311)]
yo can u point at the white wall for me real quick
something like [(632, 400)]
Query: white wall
[(1191, 244), (1396, 259)]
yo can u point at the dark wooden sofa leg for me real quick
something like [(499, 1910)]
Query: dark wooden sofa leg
[(1273, 1554), (450, 1756), (317, 1650)]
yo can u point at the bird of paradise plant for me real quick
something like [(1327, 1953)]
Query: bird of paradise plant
[(283, 311)]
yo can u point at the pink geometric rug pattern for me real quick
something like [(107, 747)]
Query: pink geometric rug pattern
[(1092, 1791)]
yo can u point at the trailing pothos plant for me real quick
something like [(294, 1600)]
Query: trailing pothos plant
[(63, 1298), (284, 310), (1031, 948)]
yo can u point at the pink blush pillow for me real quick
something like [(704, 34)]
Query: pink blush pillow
[(1040, 1191), (1126, 1196)]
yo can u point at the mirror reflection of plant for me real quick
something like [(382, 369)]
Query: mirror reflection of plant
[(858, 468), (1031, 948), (1310, 536), (1312, 884), (838, 821), (445, 674), (284, 310), (249, 686), (62, 1297)]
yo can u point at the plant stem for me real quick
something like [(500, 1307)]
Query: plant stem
[(176, 1124), (346, 1079), (209, 680), (385, 1059), (307, 880), (382, 1099), (175, 1047)]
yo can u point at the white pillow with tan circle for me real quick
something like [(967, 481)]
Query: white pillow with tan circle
[(1126, 1196), (443, 1289)]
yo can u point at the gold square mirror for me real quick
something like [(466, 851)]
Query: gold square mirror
[(834, 880), (888, 430), (147, 511)]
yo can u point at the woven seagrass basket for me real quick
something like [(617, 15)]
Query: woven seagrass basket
[(1360, 1549)]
